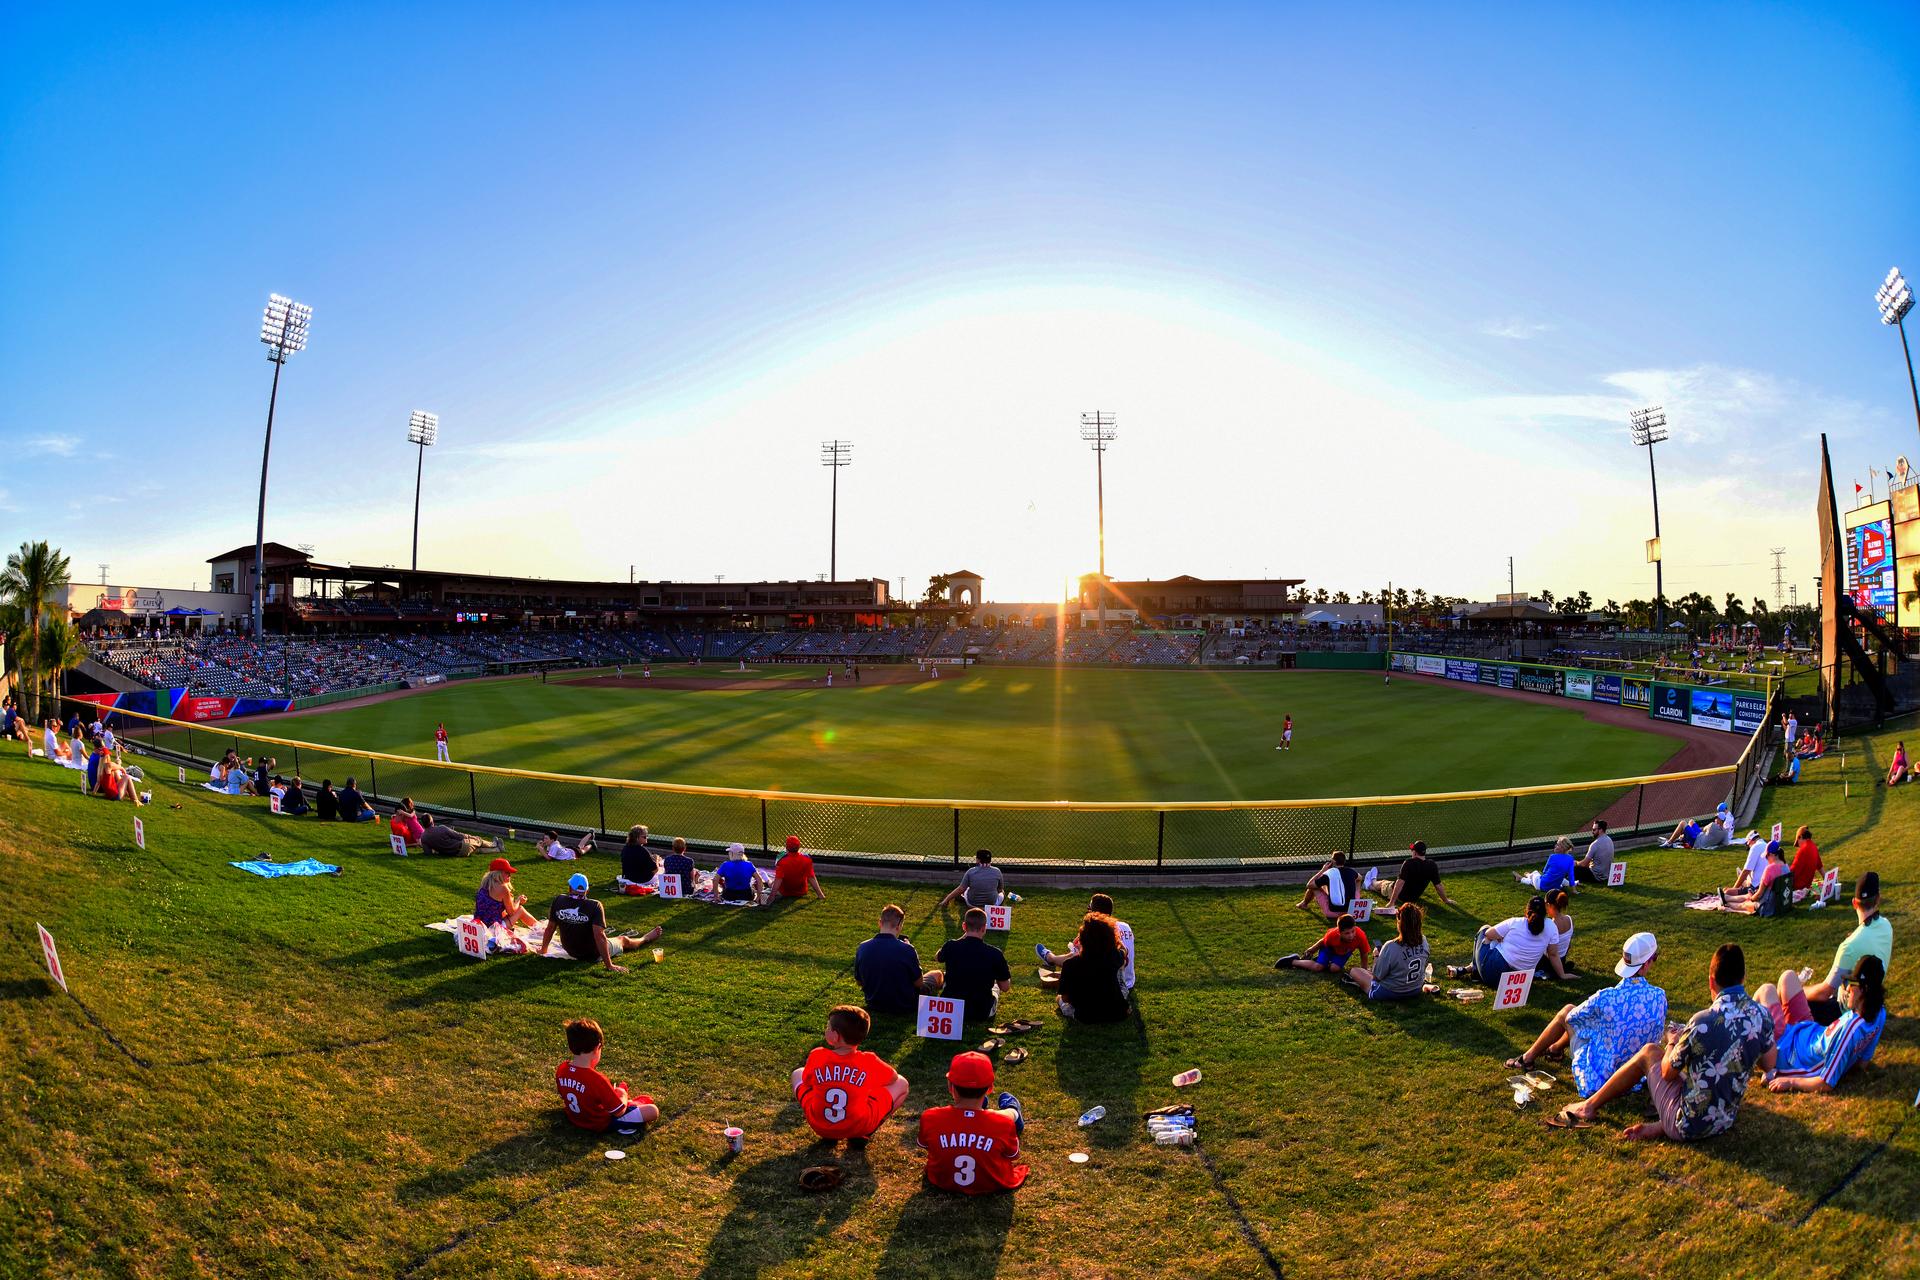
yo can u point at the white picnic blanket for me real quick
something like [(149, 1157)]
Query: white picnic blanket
[(529, 936), (1710, 902)]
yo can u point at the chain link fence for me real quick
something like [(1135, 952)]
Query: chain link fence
[(1110, 837)]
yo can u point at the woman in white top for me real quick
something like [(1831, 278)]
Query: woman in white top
[(1518, 943)]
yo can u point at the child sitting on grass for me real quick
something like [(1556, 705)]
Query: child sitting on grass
[(844, 1091), (594, 1102), (1335, 948)]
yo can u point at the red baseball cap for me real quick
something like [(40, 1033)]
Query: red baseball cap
[(971, 1072), (501, 864), (793, 844)]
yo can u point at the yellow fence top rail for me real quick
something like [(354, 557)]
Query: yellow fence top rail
[(223, 727)]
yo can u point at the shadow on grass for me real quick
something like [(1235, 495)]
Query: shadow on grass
[(772, 1220), (1102, 1066), (505, 976), (544, 1148), (946, 1233), (26, 989)]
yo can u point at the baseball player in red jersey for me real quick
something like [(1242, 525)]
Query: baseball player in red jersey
[(440, 744), (971, 1147), (845, 1091), (593, 1101)]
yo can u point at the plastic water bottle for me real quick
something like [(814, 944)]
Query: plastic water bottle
[(1094, 1116), (1013, 897), (1429, 971), (1806, 974), (1173, 1138), (1186, 1078)]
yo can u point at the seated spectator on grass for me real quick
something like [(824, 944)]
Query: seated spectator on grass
[(737, 879), (96, 784), (1399, 972), (637, 863), (1561, 922), (594, 1102), (970, 1146), (1898, 770), (1331, 889), (117, 783), (983, 884), (679, 864), (1769, 896), (554, 849), (975, 970), (326, 804), (1610, 1026), (1417, 872), (888, 968), (1696, 1076), (1813, 745), (496, 904), (793, 875), (1557, 873), (1090, 989), (1787, 777), (1754, 867), (1872, 937), (1100, 904), (1806, 867), (1684, 836), (844, 1091), (353, 805), (438, 837), (1336, 946), (262, 777), (293, 799), (1813, 1058), (405, 822), (1517, 943), (582, 925), (1598, 864)]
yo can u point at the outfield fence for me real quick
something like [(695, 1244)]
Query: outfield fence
[(1202, 837)]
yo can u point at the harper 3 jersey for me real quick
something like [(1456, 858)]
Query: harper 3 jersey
[(845, 1095), (971, 1151)]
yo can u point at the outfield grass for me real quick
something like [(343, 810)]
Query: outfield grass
[(324, 1088), (1017, 734)]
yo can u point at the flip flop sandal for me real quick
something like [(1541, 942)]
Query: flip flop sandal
[(1016, 1056), (821, 1177), (1048, 978), (998, 1031), (988, 1046), (1020, 1026), (1517, 1064), (1565, 1119), (1555, 1055)]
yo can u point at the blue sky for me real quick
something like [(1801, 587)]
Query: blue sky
[(1370, 291)]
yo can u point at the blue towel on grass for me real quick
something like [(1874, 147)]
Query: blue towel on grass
[(274, 870)]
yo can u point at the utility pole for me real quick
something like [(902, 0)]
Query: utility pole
[(835, 454), (1098, 429), (1779, 578), (1510, 591)]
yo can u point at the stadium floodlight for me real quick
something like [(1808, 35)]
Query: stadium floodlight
[(1895, 300), (423, 429), (283, 328), (1649, 429), (1098, 429), (835, 454)]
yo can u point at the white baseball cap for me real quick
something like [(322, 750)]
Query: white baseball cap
[(1639, 949), (736, 850)]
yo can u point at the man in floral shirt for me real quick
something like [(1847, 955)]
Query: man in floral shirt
[(1699, 1077)]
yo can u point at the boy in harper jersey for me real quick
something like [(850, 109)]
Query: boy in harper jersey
[(970, 1147), (845, 1091), (592, 1101), (440, 744)]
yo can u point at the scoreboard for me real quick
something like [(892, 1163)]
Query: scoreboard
[(1870, 559)]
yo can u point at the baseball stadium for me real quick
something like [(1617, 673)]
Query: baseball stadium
[(499, 913)]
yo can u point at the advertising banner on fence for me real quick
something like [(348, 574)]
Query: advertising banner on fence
[(1402, 662), (1489, 674), (1579, 685), (1749, 711), (1458, 670), (1671, 703), (1430, 666), (1509, 676), (1539, 680), (1635, 693), (1606, 688), (1712, 709)]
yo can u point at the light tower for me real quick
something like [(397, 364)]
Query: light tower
[(1895, 300), (1098, 429), (1649, 429), (423, 429), (283, 328), (835, 454)]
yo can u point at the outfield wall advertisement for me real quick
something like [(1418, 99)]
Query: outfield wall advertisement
[(1728, 710), (179, 704)]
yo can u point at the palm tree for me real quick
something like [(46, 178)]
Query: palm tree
[(34, 575), (61, 650)]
